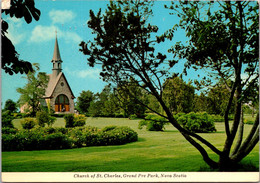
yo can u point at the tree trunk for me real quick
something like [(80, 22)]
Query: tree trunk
[(226, 164)]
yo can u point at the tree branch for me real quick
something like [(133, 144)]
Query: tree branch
[(240, 135)]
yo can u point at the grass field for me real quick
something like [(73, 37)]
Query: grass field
[(154, 151)]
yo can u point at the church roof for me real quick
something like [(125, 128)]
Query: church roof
[(53, 81), (56, 53)]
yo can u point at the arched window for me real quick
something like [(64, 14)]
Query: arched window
[(62, 103)]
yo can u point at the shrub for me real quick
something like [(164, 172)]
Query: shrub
[(197, 122), (74, 120), (40, 138), (17, 115), (108, 128), (35, 139), (79, 120), (118, 136), (56, 141), (62, 130), (153, 123), (28, 123), (133, 116), (77, 137), (110, 135), (249, 122), (7, 119), (8, 130), (51, 120), (69, 120), (119, 115), (42, 118)]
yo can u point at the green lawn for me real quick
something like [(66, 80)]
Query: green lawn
[(154, 151)]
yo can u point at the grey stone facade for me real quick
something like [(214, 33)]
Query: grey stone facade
[(65, 90)]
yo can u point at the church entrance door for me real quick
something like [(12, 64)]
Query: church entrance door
[(62, 104)]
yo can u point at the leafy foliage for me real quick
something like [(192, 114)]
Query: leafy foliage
[(33, 91), (197, 122), (104, 104), (63, 138), (83, 101), (132, 98), (8, 130), (43, 118), (28, 123), (153, 123), (11, 63), (35, 139), (74, 120), (178, 95), (79, 120), (69, 120), (108, 128), (11, 106), (223, 40), (7, 119)]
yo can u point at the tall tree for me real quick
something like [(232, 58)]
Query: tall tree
[(11, 63), (200, 103), (217, 101), (125, 49), (10, 105), (224, 37), (178, 95), (132, 98), (33, 91), (84, 100), (104, 103)]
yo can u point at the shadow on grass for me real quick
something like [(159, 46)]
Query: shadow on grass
[(241, 167)]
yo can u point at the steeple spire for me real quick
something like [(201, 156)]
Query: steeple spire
[(56, 60), (56, 53)]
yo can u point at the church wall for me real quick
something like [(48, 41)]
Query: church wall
[(62, 90)]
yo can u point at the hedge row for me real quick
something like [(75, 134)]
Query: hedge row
[(63, 138)]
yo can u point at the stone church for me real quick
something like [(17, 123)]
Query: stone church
[(58, 94)]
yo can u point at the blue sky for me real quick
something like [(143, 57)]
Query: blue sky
[(35, 42)]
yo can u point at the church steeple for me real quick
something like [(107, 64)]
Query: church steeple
[(56, 59)]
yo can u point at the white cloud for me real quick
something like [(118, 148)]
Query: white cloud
[(47, 33), (61, 16), (87, 73), (15, 33), (43, 33), (71, 36)]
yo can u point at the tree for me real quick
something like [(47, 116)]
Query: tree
[(10, 105), (33, 91), (178, 95), (125, 49), (104, 103), (217, 101), (200, 103), (132, 98), (11, 63), (153, 104), (225, 41), (84, 100)]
